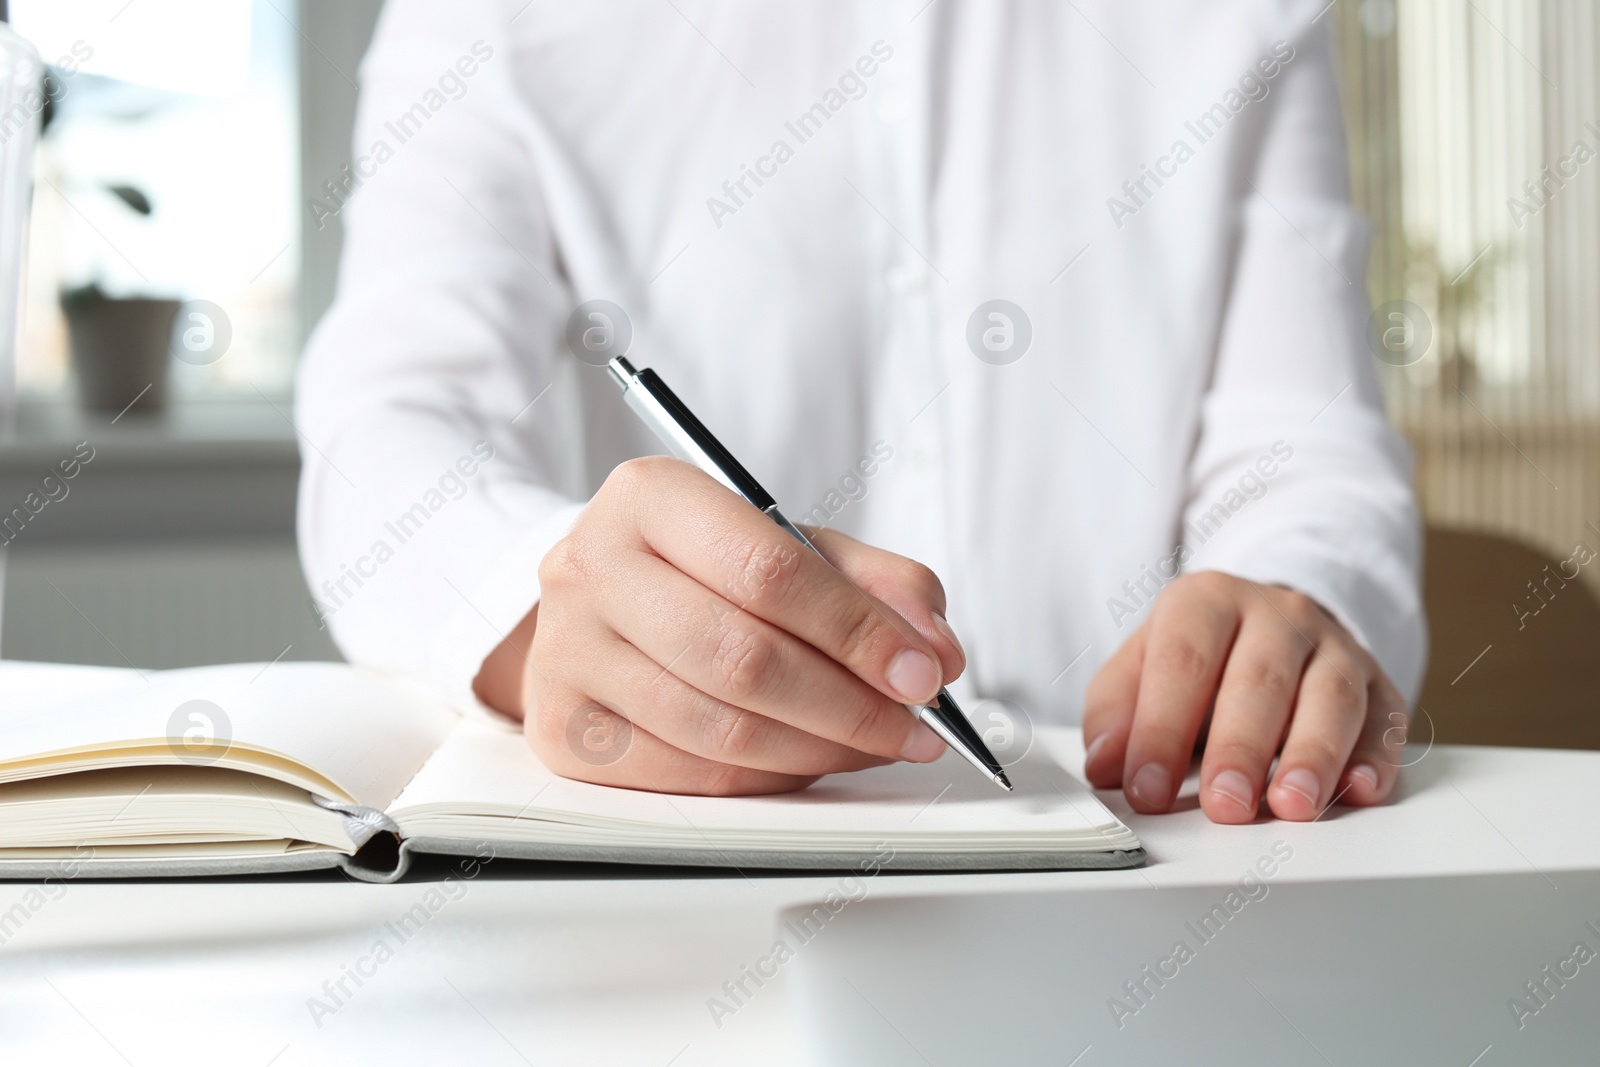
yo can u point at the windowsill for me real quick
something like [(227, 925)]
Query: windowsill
[(188, 432), (200, 470)]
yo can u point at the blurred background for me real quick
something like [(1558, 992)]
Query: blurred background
[(1474, 134), (177, 163), (190, 142)]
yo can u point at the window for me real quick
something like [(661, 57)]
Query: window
[(169, 169), (1474, 133)]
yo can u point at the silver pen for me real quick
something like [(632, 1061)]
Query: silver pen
[(688, 439)]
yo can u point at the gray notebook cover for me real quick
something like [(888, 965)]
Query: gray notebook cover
[(388, 861)]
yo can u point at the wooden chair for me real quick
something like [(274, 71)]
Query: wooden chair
[(1511, 664)]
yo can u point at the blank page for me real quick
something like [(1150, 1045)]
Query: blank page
[(485, 768)]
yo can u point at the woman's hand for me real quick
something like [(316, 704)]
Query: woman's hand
[(684, 643), (1260, 668)]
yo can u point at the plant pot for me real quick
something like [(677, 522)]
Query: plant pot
[(121, 347)]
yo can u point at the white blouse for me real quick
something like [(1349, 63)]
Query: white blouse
[(1058, 299)]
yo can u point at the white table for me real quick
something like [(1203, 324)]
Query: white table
[(554, 967)]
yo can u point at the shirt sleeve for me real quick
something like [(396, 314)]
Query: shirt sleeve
[(430, 435), (1298, 478)]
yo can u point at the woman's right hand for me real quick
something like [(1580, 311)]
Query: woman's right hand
[(684, 643)]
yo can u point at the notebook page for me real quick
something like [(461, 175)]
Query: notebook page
[(486, 767), (363, 731)]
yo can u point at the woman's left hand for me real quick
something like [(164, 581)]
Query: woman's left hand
[(1268, 670)]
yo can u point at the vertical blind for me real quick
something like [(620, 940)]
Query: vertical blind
[(1474, 130)]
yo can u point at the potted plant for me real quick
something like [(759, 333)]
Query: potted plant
[(119, 348), (120, 344)]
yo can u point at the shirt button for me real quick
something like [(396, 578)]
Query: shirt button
[(907, 278)]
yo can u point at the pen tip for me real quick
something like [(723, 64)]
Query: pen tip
[(1003, 782)]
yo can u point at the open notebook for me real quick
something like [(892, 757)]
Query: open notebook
[(298, 766)]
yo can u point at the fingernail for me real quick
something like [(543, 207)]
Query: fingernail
[(1366, 775), (1236, 787), (1094, 748), (1303, 782), (913, 676), (1152, 786), (947, 633), (923, 746)]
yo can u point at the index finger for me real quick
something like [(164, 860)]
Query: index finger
[(724, 543)]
